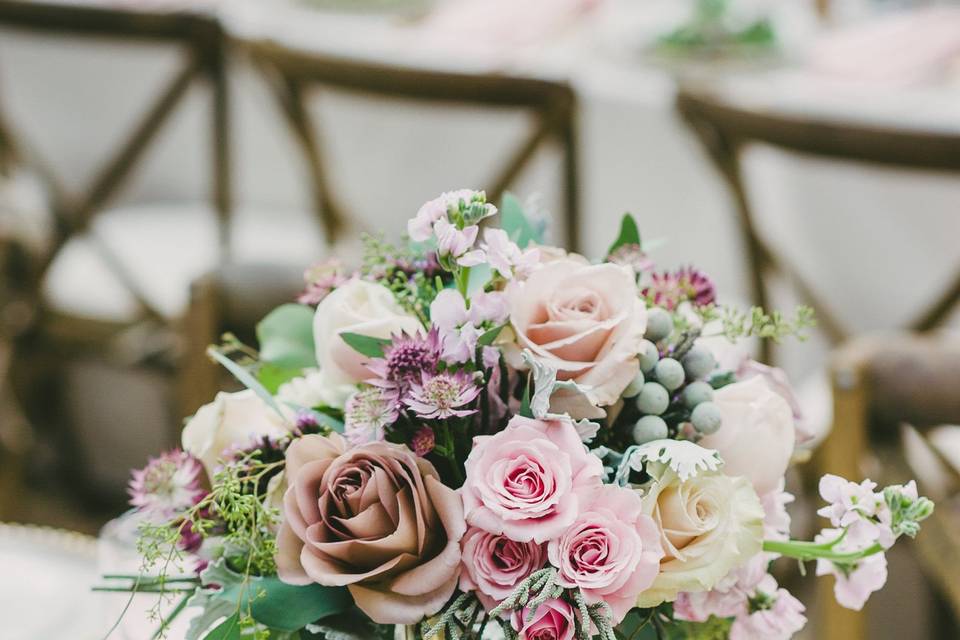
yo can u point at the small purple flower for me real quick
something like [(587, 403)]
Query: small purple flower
[(439, 396), (168, 485), (322, 279), (404, 360), (367, 413), (424, 441), (687, 284)]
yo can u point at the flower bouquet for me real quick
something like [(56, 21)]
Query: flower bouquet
[(476, 435)]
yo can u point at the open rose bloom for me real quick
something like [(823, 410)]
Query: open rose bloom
[(475, 432)]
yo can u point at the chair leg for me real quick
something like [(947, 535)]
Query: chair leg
[(198, 376)]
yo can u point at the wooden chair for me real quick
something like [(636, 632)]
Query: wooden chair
[(292, 73), (53, 333), (726, 130)]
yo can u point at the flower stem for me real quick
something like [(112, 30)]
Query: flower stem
[(804, 551)]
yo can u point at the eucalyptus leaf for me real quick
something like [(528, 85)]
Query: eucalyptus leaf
[(229, 629), (289, 607), (515, 222), (212, 608), (487, 337), (286, 337), (273, 377), (479, 276), (365, 345), (629, 234)]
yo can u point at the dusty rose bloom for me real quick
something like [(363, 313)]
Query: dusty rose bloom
[(375, 518), (493, 565), (553, 620)]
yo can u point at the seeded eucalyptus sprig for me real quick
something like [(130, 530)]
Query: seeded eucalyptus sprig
[(758, 323)]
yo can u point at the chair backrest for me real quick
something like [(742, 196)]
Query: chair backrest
[(291, 73), (726, 129), (202, 41)]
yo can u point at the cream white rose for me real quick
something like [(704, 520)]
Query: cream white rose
[(358, 307), (587, 322), (312, 390), (756, 434), (231, 420), (709, 524)]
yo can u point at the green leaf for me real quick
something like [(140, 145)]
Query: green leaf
[(321, 417), (271, 376), (287, 607), (246, 378), (365, 345), (629, 233), (487, 337), (515, 222), (286, 337), (229, 629), (479, 277), (525, 410)]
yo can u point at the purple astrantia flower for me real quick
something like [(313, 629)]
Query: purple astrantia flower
[(404, 360), (169, 484), (367, 413), (424, 441), (439, 396), (668, 290), (321, 279)]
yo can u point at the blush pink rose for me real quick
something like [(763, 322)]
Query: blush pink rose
[(493, 565), (584, 320), (374, 518), (527, 481), (611, 551), (553, 620)]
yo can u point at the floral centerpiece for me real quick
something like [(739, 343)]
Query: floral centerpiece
[(478, 435)]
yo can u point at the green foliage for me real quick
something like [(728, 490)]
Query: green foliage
[(229, 629), (242, 374), (487, 337), (515, 222), (757, 323), (365, 345), (629, 234), (286, 337)]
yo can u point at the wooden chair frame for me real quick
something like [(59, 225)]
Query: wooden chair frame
[(726, 130), (291, 73), (202, 40)]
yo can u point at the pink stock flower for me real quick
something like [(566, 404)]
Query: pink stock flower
[(492, 307), (529, 481), (774, 615), (728, 598), (553, 620), (168, 485), (457, 243), (632, 255), (493, 564), (458, 328), (505, 257), (854, 581), (776, 519), (611, 552), (859, 508), (439, 396), (420, 227)]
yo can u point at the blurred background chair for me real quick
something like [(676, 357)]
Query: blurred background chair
[(68, 341), (726, 131)]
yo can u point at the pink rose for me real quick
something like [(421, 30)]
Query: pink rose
[(526, 481), (756, 434), (493, 565), (584, 320), (553, 620), (612, 550), (376, 519)]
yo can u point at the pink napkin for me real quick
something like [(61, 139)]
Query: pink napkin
[(905, 48)]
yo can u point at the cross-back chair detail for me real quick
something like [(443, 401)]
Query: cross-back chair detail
[(201, 39), (291, 74), (726, 130)]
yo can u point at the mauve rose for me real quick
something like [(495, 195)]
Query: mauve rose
[(584, 320), (526, 481), (493, 565), (611, 552), (756, 434), (553, 620), (376, 519)]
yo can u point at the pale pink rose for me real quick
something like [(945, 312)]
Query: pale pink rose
[(611, 551), (853, 588), (587, 322), (780, 383), (527, 482), (493, 565), (358, 307), (756, 434), (780, 621), (553, 620), (374, 518)]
